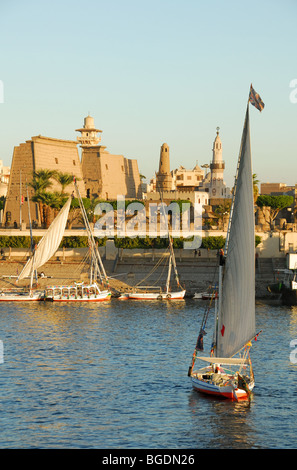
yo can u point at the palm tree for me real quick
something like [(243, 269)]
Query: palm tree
[(64, 179), (255, 187), (49, 201), (41, 182), (222, 211)]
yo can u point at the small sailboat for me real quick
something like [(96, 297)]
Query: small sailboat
[(156, 292), (45, 249), (79, 291), (212, 292), (229, 371)]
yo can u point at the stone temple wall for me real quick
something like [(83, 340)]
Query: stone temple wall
[(33, 155)]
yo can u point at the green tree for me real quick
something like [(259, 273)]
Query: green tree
[(213, 243), (222, 212), (40, 183), (75, 215), (2, 202), (274, 204), (255, 187), (47, 201), (64, 179)]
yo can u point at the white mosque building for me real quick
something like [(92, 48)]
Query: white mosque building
[(183, 180), (213, 182)]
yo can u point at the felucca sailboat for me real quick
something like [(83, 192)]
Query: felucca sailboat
[(229, 373), (79, 291), (156, 292), (45, 249)]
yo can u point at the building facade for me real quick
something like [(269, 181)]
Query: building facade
[(106, 176), (187, 179), (37, 154), (4, 179)]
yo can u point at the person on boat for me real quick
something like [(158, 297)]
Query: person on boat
[(199, 344), (217, 369), (222, 257)]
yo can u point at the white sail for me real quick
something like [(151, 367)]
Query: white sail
[(236, 321), (49, 244)]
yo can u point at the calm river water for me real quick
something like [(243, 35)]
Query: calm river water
[(114, 376)]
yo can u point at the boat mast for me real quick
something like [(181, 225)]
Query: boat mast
[(32, 242), (172, 261), (20, 199), (169, 275), (94, 250)]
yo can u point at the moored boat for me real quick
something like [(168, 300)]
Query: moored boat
[(45, 249), (78, 292), (153, 293)]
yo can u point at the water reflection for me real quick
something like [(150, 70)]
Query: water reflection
[(115, 375), (221, 423)]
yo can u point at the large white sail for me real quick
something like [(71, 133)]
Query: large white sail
[(49, 244), (236, 322)]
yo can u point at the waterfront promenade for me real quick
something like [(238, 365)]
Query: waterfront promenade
[(197, 273), (127, 267)]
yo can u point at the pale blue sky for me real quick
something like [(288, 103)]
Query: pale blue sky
[(151, 72)]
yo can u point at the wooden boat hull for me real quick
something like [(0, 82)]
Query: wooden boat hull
[(156, 296), (289, 296), (205, 296), (228, 391), (92, 298), (22, 297)]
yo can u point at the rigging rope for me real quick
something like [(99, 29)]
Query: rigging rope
[(161, 260)]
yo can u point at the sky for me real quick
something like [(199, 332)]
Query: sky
[(153, 72)]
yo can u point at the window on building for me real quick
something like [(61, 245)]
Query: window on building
[(106, 167), (56, 160), (74, 162)]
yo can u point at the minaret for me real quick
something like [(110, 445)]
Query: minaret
[(218, 165), (164, 178), (89, 134)]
